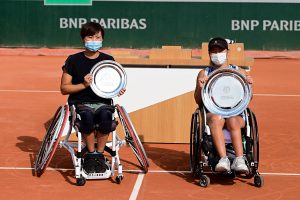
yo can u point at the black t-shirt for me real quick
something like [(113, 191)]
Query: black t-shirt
[(78, 65)]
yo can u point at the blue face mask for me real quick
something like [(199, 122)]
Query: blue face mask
[(93, 45)]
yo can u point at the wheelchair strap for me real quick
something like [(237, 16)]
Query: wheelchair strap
[(110, 151)]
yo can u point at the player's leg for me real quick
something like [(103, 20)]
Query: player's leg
[(216, 124), (104, 124), (234, 125)]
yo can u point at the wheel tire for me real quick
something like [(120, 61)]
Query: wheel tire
[(196, 130), (132, 138), (80, 181), (38, 173), (254, 136), (51, 139), (204, 181), (258, 181), (119, 179), (194, 145)]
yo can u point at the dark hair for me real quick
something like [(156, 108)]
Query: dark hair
[(90, 29)]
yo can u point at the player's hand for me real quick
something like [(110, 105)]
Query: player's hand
[(249, 79), (88, 80), (202, 81), (122, 91)]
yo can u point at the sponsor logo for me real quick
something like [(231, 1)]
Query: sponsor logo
[(265, 25), (106, 23)]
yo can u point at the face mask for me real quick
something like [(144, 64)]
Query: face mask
[(218, 58), (93, 45)]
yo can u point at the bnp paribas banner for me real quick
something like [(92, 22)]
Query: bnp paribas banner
[(260, 24)]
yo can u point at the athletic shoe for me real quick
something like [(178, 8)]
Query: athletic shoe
[(89, 163), (101, 165), (223, 165), (239, 165)]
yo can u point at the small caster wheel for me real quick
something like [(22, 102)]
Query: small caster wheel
[(258, 181), (204, 181), (80, 181), (119, 179)]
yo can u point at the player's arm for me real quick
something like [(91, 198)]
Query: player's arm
[(246, 74), (66, 86), (248, 78), (201, 79)]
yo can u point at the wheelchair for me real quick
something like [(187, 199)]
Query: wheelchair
[(204, 157), (59, 133), (227, 94)]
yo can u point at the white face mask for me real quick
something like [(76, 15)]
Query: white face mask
[(218, 58)]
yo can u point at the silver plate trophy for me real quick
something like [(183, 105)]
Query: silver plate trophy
[(226, 93), (109, 78)]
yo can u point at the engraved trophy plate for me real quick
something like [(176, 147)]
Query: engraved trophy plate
[(109, 78), (226, 93)]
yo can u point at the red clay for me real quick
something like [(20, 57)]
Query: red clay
[(23, 115)]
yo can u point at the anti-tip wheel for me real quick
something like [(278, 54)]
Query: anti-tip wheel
[(80, 181), (204, 181), (119, 179), (258, 181)]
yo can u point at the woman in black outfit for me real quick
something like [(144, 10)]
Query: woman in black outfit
[(95, 113)]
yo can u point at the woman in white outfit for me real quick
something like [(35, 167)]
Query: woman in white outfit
[(218, 53)]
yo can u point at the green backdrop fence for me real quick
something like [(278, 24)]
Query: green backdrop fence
[(150, 24)]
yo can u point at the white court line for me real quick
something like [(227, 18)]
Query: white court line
[(137, 186), (150, 171), (56, 91), (141, 175), (31, 91), (278, 95)]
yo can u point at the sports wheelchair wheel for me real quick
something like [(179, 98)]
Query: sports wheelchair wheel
[(204, 181), (253, 150), (258, 181), (255, 135), (132, 138), (195, 143), (51, 139)]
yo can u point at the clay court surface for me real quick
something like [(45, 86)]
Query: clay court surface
[(29, 96)]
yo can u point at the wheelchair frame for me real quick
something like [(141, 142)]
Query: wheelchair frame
[(60, 126), (201, 159)]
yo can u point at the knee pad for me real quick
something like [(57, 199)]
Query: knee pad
[(85, 121), (103, 119)]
